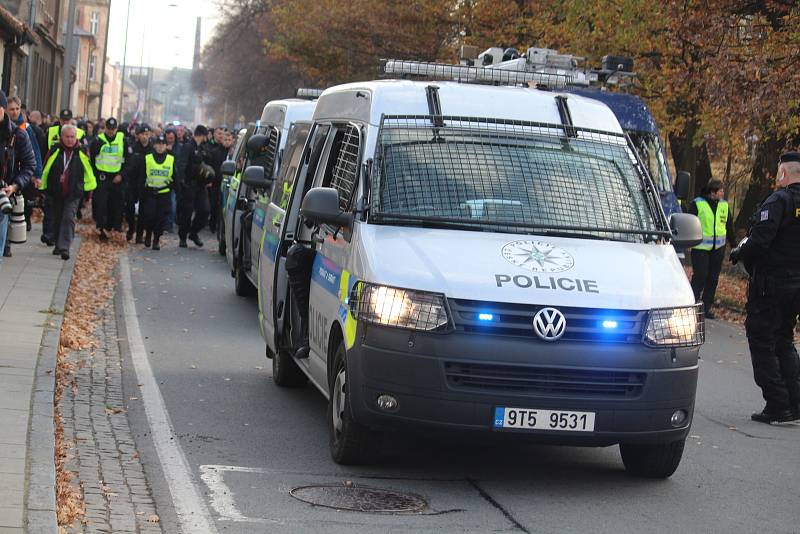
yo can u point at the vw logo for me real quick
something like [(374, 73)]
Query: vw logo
[(538, 256), (549, 324)]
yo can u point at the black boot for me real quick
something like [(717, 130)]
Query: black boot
[(148, 239), (156, 246), (773, 416), (129, 234), (299, 260), (103, 235), (194, 238), (7, 251)]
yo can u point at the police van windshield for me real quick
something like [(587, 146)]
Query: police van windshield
[(513, 177), (651, 152)]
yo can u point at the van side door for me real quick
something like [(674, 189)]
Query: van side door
[(301, 155), (330, 278), (229, 193)]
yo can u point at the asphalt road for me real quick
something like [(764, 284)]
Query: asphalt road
[(248, 442)]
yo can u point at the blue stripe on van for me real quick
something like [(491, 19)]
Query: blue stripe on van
[(258, 217), (271, 245), (327, 274)]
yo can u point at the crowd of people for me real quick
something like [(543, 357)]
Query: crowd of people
[(141, 179)]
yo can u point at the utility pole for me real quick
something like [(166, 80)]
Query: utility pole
[(120, 118), (29, 59), (68, 56), (103, 72)]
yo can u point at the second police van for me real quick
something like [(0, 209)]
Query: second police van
[(493, 259), (242, 222)]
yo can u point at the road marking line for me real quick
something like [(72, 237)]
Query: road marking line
[(221, 495), (193, 515)]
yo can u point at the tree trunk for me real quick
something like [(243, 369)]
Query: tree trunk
[(762, 179), (691, 158)]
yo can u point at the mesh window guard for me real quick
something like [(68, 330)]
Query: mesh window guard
[(512, 176), (345, 172), (266, 157)]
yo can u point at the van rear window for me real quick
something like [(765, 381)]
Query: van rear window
[(507, 176)]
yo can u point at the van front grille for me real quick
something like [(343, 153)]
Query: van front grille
[(583, 324), (544, 381)]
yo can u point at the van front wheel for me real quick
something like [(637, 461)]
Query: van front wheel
[(350, 443), (652, 460)]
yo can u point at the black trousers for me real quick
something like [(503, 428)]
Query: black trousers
[(193, 210), (772, 308), (706, 266), (109, 203), (154, 209), (131, 197)]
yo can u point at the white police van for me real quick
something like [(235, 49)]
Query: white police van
[(248, 192), (487, 258)]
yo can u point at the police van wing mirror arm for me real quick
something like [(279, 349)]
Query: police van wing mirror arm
[(686, 230), (321, 206)]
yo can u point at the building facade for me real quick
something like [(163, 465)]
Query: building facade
[(90, 39)]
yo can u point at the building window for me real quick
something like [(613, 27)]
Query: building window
[(94, 22), (92, 67)]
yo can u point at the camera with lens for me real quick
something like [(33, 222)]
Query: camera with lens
[(5, 202)]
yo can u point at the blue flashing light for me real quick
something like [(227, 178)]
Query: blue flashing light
[(486, 317), (610, 325)]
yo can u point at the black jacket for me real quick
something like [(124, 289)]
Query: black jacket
[(17, 164), (773, 245), (76, 174)]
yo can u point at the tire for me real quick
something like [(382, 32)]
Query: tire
[(242, 286), (285, 371), (221, 248), (350, 443), (652, 460)]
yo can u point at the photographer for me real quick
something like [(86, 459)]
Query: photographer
[(194, 189), (18, 164)]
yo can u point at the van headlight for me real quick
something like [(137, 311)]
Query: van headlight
[(401, 308), (675, 327)]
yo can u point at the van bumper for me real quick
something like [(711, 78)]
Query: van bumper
[(420, 371)]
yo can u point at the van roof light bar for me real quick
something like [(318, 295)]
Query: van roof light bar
[(486, 75), (305, 92)]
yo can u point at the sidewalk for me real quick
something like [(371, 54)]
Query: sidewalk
[(33, 290)]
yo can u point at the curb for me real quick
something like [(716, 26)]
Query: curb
[(40, 487)]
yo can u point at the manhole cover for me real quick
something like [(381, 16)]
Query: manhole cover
[(356, 498)]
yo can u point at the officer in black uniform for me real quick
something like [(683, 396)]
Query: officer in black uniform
[(108, 154), (771, 254)]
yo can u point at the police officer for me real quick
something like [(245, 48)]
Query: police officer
[(54, 132), (108, 156), (193, 197), (716, 220), (155, 198), (133, 181), (771, 254)]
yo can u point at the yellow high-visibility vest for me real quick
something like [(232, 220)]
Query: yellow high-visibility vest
[(158, 175), (111, 155), (714, 228), (54, 135), (89, 181)]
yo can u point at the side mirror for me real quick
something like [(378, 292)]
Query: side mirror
[(255, 144), (682, 185), (228, 168), (686, 230), (321, 206), (254, 177)]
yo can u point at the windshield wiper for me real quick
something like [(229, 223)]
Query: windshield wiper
[(424, 222), (576, 235)]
